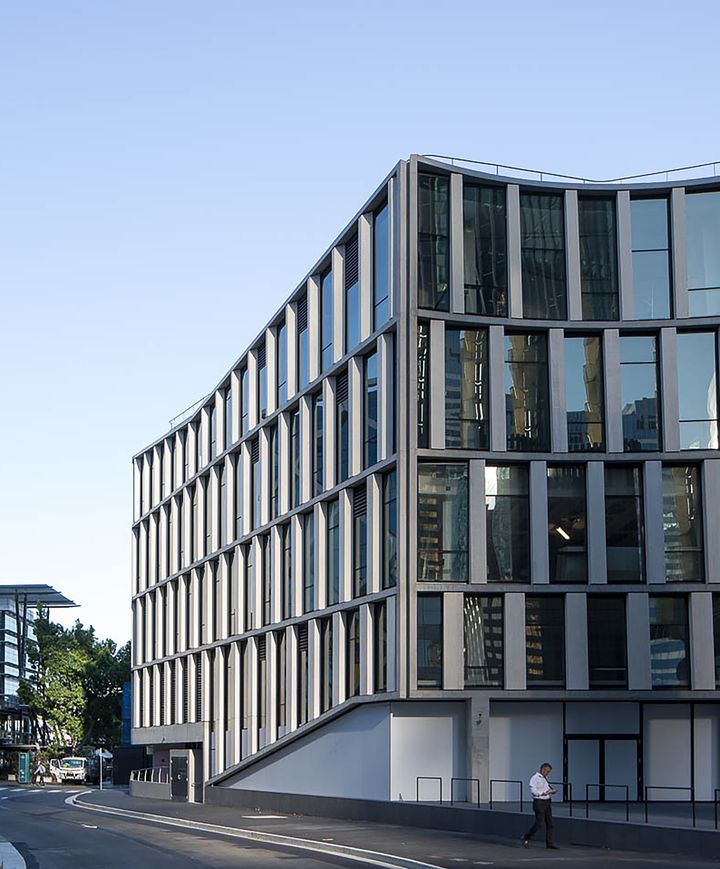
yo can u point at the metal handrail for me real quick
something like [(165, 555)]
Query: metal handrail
[(151, 774), (420, 778), (506, 781), (566, 785), (452, 789), (603, 785), (670, 788)]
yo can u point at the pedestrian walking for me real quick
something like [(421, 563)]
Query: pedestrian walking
[(39, 775), (542, 806)]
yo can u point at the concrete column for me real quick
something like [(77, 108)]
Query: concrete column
[(137, 488), (220, 445), (187, 525), (624, 247), (218, 725), (437, 384), (478, 527), (320, 520), (236, 403), (276, 574), (539, 556), (252, 380), (174, 556), (356, 390), (314, 655), (271, 718), (157, 454), (170, 592), (679, 252), (182, 593), (702, 655), (496, 358), (654, 525), (236, 705), (477, 745), (284, 469), (252, 695), (199, 530), (339, 656), (611, 382), (375, 532), (271, 373), (247, 488), (152, 545), (193, 712), (297, 570), (291, 675), (711, 513), (329, 433), (313, 312), (638, 635), (392, 632), (291, 349), (572, 255), (453, 641), (146, 709), (366, 650), (136, 692), (457, 270), (669, 397), (167, 459), (306, 447), (338, 274), (191, 449), (576, 642), (515, 658), (596, 531), (558, 413), (195, 633), (346, 553), (264, 441), (514, 251), (386, 411), (365, 242)]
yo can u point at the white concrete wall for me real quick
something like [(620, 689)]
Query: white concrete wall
[(707, 751), (666, 749)]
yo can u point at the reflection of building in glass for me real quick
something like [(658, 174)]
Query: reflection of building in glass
[(640, 424)]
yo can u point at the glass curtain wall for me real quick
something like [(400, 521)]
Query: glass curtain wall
[(545, 641), (702, 226), (598, 258), (650, 258), (624, 523), (483, 624), (352, 672), (466, 389), (360, 541), (352, 295), (716, 636), (584, 396), (507, 515), (697, 390), (542, 240), (639, 393), (443, 523), (303, 345), (669, 642), (682, 521), (526, 392), (485, 250), (567, 520), (434, 242), (326, 664), (607, 641), (308, 562), (381, 267), (333, 552), (423, 386), (380, 662), (429, 641), (318, 441), (370, 408), (342, 427), (326, 320), (389, 544), (282, 365)]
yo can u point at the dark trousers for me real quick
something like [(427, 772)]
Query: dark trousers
[(543, 814)]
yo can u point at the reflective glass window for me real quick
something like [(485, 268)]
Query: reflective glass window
[(360, 541), (342, 427), (282, 365), (650, 258), (318, 441), (466, 388), (370, 408), (333, 552), (624, 523), (716, 636), (245, 399), (381, 266), (380, 662), (352, 295), (639, 393), (682, 521), (485, 250), (295, 459), (526, 392), (545, 641), (288, 602), (607, 641), (507, 515), (702, 222), (542, 240), (308, 562), (389, 530), (274, 455), (483, 631), (423, 385), (352, 658), (326, 321), (567, 519), (429, 641), (697, 390), (443, 523), (434, 242), (584, 396), (669, 641), (326, 663), (598, 258)]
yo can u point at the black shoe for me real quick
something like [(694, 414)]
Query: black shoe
[(553, 847), (524, 841)]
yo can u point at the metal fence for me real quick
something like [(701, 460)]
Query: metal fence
[(151, 774)]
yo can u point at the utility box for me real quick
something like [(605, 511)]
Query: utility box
[(24, 768)]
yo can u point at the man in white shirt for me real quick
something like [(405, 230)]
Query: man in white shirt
[(542, 806)]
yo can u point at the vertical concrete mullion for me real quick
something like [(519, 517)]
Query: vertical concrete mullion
[(576, 642), (558, 416), (514, 251), (366, 650), (252, 695), (329, 440), (453, 641), (291, 350), (702, 655), (457, 276), (320, 520), (394, 221), (236, 391), (375, 532), (437, 384), (264, 439), (355, 385), (191, 450), (236, 701), (679, 253), (219, 724), (306, 445), (386, 411), (247, 488), (271, 716), (669, 397), (596, 533), (478, 528), (291, 676), (365, 242), (339, 655), (285, 460), (314, 653), (297, 570), (276, 574), (170, 593), (539, 567), (496, 354), (271, 372), (710, 490), (252, 386), (346, 560), (514, 617), (572, 255), (638, 634), (391, 618), (624, 247), (137, 488), (220, 445), (611, 382), (136, 693), (653, 515), (338, 279), (313, 317)]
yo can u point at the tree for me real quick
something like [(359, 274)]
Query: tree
[(75, 682)]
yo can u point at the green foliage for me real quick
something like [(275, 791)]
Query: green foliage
[(76, 683)]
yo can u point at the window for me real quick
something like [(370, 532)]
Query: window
[(567, 542), (545, 641), (507, 516), (697, 390), (423, 386), (333, 552), (245, 399), (326, 322), (256, 484), (295, 459), (381, 266), (342, 427), (266, 579), (370, 401), (669, 642), (542, 240), (280, 678), (274, 453), (239, 494), (429, 641), (317, 444), (442, 523), (228, 417), (303, 345), (352, 627), (598, 258), (352, 295), (682, 521), (466, 389), (650, 258), (282, 365), (360, 541), (624, 523), (485, 250), (584, 403), (288, 602), (607, 643), (483, 618), (261, 382), (326, 664), (212, 417), (389, 530), (639, 393), (526, 392), (223, 507), (302, 675), (434, 242), (249, 587), (716, 636), (308, 562), (702, 223)]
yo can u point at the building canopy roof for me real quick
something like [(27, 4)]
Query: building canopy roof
[(36, 594)]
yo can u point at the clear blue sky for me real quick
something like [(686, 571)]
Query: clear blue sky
[(169, 170)]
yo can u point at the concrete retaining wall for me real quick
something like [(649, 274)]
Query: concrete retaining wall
[(156, 790)]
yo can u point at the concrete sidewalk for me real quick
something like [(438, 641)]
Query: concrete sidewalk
[(405, 844)]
